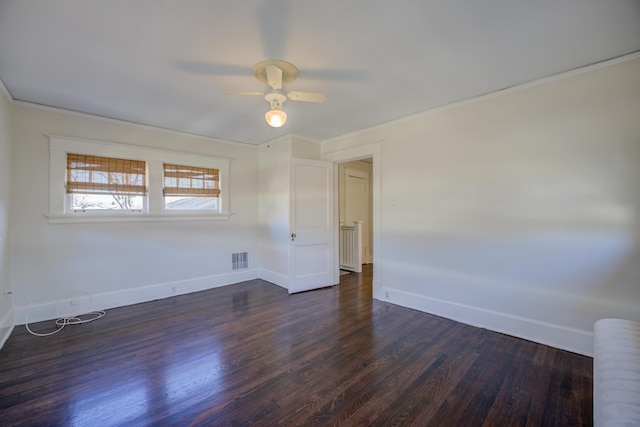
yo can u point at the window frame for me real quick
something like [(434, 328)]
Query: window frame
[(59, 207), (74, 184), (175, 193)]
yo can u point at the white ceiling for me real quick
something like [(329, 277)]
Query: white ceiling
[(169, 63)]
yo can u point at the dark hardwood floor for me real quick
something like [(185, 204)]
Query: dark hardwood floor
[(249, 354)]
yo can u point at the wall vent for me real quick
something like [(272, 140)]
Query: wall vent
[(240, 261)]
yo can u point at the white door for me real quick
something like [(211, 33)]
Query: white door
[(357, 206), (311, 245)]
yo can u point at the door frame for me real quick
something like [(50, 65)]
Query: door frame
[(367, 231), (343, 156)]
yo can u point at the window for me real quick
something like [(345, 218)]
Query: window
[(105, 183), (190, 187), (95, 181)]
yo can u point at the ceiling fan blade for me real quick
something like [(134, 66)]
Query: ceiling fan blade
[(274, 77), (241, 93), (338, 74), (273, 24), (296, 95), (211, 68)]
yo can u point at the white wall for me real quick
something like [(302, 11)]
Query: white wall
[(518, 212), (6, 306), (274, 210), (121, 263), (303, 148)]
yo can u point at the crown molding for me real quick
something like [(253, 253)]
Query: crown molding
[(499, 92), (124, 122), (6, 92)]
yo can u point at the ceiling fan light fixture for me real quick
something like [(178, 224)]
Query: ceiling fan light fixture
[(275, 73), (275, 117)]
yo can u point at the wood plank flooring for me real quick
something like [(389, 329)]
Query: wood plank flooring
[(250, 354)]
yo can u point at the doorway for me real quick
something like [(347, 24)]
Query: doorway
[(355, 209), (371, 152), (355, 201)]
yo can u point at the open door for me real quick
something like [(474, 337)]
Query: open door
[(357, 207), (311, 222)]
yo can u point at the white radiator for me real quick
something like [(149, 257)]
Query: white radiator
[(616, 373), (351, 247)]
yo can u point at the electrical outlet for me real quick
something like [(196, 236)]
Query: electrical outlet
[(173, 290), (386, 295)]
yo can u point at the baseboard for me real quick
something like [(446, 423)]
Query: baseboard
[(279, 279), (103, 301), (6, 326), (574, 340), (558, 336), (376, 288)]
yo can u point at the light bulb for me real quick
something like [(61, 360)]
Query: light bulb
[(275, 117)]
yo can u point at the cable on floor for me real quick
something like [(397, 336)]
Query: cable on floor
[(63, 321)]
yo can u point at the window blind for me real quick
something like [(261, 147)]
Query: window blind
[(105, 175), (191, 181)]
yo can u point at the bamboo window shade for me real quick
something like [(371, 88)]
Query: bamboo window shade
[(105, 175), (191, 181)]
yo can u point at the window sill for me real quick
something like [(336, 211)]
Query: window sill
[(134, 217)]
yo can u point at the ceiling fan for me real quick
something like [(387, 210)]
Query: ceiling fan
[(276, 73)]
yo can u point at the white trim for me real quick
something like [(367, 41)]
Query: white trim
[(125, 122), (107, 300), (135, 217), (352, 154), (7, 321), (60, 145), (624, 58), (305, 139), (279, 279), (558, 336), (371, 150), (6, 326), (6, 92), (266, 144), (288, 137), (499, 92)]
